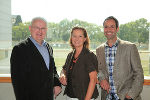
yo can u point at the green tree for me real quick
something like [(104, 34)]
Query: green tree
[(20, 32), (53, 32), (64, 29), (142, 30), (17, 20), (135, 31)]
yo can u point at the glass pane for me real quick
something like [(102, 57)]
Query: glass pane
[(5, 35), (62, 15)]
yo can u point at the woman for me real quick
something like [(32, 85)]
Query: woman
[(79, 73)]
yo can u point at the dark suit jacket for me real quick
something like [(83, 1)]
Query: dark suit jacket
[(31, 79), (86, 63)]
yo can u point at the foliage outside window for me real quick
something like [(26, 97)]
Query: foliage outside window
[(59, 33)]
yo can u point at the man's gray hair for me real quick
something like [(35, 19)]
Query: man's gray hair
[(38, 18)]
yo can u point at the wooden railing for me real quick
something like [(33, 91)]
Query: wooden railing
[(8, 80), (5, 80)]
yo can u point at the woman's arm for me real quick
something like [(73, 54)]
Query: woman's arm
[(92, 83)]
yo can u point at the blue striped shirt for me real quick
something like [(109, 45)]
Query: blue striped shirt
[(43, 51), (110, 53)]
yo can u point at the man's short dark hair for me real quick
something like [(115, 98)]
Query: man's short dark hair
[(112, 17)]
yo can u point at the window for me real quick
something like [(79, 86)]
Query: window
[(15, 17)]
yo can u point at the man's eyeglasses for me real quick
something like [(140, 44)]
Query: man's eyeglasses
[(38, 29)]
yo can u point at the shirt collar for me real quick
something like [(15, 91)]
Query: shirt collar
[(115, 44), (36, 43)]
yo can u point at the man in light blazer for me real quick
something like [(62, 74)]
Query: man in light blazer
[(120, 71), (33, 71)]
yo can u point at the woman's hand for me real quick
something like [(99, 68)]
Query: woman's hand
[(105, 85), (63, 80)]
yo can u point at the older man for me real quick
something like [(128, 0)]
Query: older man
[(33, 71)]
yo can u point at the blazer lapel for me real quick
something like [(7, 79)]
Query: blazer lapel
[(117, 57), (35, 52), (50, 52)]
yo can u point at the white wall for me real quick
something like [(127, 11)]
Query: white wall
[(5, 24)]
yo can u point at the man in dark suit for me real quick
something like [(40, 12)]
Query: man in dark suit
[(33, 71)]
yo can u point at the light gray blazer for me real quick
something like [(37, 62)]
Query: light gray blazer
[(127, 73)]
